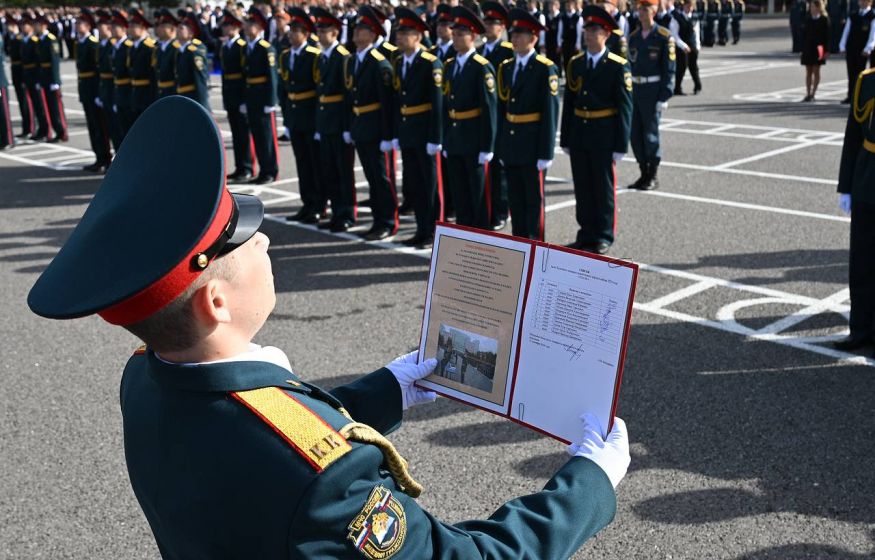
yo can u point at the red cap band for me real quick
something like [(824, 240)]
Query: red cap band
[(467, 23), (600, 21), (526, 25)]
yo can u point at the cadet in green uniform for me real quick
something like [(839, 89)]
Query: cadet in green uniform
[(7, 137), (418, 127), (336, 156), (106, 87), (261, 98), (651, 51), (121, 75), (233, 58), (496, 50), (164, 55), (30, 74), (192, 74), (140, 55), (25, 103), (228, 451), (596, 119), (49, 56), (443, 50), (469, 121), (88, 68), (528, 110), (297, 69), (857, 198)]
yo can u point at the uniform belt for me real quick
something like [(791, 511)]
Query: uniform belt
[(869, 146), (45, 64), (106, 75), (415, 109), (14, 62), (29, 66), (599, 114), (526, 118), (166, 84), (122, 81), (331, 98), (237, 76), (185, 89), (646, 79), (463, 115), (362, 109), (302, 95), (257, 80), (140, 83), (83, 75)]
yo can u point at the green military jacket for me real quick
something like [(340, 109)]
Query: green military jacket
[(261, 76), (499, 53), (597, 107), (13, 47), (300, 102), (418, 101), (4, 82), (107, 78), (143, 86), (369, 96), (121, 73), (448, 54), (332, 117), (30, 60), (653, 56), (192, 73), (88, 68), (618, 44), (245, 460), (388, 50), (469, 107), (528, 111), (857, 168), (164, 62), (233, 54), (49, 55)]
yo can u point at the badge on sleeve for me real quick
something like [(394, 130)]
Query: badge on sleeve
[(490, 82), (627, 79), (438, 76), (379, 529), (554, 85)]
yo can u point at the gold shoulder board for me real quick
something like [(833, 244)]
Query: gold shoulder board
[(428, 56), (312, 50), (378, 55), (544, 60), (264, 43), (480, 59), (616, 58), (507, 44), (342, 50)]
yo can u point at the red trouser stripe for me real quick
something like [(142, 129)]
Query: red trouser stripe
[(389, 158), (440, 186), (276, 148), (62, 113), (541, 215), (487, 191), (42, 94), (350, 163), (30, 127), (10, 138), (614, 174), (252, 154)]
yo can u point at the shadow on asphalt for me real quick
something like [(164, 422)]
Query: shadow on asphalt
[(827, 112), (45, 187)]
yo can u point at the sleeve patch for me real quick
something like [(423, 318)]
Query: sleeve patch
[(490, 82), (379, 529)]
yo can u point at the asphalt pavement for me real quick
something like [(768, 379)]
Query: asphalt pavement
[(751, 437)]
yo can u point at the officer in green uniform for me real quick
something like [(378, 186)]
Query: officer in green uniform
[(443, 50), (192, 74), (528, 110), (7, 136), (336, 155), (121, 75), (418, 128), (49, 56), (25, 103), (651, 51), (164, 55), (228, 451), (261, 98), (140, 55), (300, 104), (233, 58), (30, 73), (496, 50), (88, 68), (596, 120), (857, 198), (469, 121), (106, 87)]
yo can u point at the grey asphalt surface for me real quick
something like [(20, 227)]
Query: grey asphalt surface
[(751, 439)]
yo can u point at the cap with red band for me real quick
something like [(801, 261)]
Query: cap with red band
[(324, 18), (369, 18), (466, 18), (494, 12), (521, 20), (300, 18), (598, 17), (406, 18)]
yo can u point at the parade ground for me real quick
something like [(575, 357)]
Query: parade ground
[(751, 437)]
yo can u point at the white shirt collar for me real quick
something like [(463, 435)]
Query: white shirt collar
[(327, 52), (252, 42), (487, 47), (524, 59), (163, 44), (409, 59), (297, 51), (362, 54), (83, 38), (255, 353), (596, 57), (120, 42), (182, 47), (138, 41), (462, 58)]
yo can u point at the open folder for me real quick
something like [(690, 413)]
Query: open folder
[(533, 332)]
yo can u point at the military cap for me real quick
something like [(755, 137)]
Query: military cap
[(494, 12), (137, 18), (299, 18), (596, 16), (160, 217), (230, 18), (119, 18), (87, 16), (464, 16), (42, 18), (444, 13), (324, 18), (406, 18), (381, 15), (522, 20), (653, 3), (189, 20), (368, 17), (103, 16), (257, 16), (165, 16)]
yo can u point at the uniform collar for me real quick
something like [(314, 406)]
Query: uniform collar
[(140, 40), (462, 58), (487, 47), (596, 57), (82, 38), (524, 59), (412, 57), (327, 52), (297, 51), (361, 55)]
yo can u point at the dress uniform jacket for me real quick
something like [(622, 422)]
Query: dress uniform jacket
[(244, 460), (122, 82), (7, 137), (261, 92), (448, 53), (164, 61), (30, 62), (498, 54), (143, 86), (88, 68), (233, 62), (25, 103), (49, 54), (618, 44), (653, 73), (192, 73)]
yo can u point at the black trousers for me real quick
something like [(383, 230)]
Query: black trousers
[(7, 136), (498, 190), (306, 151), (98, 134), (419, 176), (525, 189), (25, 106), (336, 161), (114, 124), (855, 63), (686, 61), (861, 278), (57, 115), (40, 110), (263, 128), (595, 187), (722, 35), (468, 187), (241, 140), (736, 29), (376, 166)]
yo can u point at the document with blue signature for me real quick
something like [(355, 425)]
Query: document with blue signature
[(533, 332)]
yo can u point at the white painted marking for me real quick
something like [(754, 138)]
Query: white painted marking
[(683, 293), (832, 303), (765, 155)]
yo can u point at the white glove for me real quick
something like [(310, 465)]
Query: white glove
[(287, 131), (54, 87), (484, 157), (845, 203), (661, 106), (98, 102), (867, 52), (618, 156), (544, 164), (38, 87), (317, 137), (432, 149), (842, 51), (269, 109), (347, 138), (612, 454), (406, 371), (243, 108), (444, 153), (114, 108), (566, 151), (385, 145), (396, 145)]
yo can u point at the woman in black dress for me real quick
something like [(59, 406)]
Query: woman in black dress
[(815, 46)]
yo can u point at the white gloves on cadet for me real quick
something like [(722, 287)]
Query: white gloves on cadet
[(618, 156), (662, 106), (845, 203), (269, 109), (612, 454), (347, 138), (243, 108), (98, 102), (432, 149), (484, 157), (406, 371), (544, 164), (386, 146), (317, 137), (396, 145), (54, 87)]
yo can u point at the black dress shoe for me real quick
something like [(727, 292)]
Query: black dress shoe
[(325, 225), (262, 180), (601, 247), (846, 100), (499, 224), (340, 226), (679, 92), (378, 234), (24, 135), (425, 243), (41, 138), (417, 240), (296, 217), (312, 218), (852, 342), (405, 209), (696, 90), (96, 167), (55, 139)]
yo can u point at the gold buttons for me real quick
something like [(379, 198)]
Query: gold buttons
[(513, 99), (202, 261), (511, 132)]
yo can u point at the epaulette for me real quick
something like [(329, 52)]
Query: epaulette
[(449, 61), (575, 57), (149, 42), (428, 56), (140, 350), (52, 37), (196, 42), (241, 42), (191, 48), (113, 41), (636, 32), (507, 44), (389, 46), (312, 50), (544, 60), (306, 432), (264, 43), (378, 55), (175, 44), (617, 32), (482, 60), (128, 43), (93, 39), (34, 38), (663, 31), (617, 58), (342, 50)]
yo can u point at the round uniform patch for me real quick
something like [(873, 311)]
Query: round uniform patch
[(671, 55), (554, 85), (199, 63), (378, 531), (627, 79), (438, 76), (490, 82), (271, 59)]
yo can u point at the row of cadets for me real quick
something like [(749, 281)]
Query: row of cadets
[(7, 135), (88, 69), (15, 40), (261, 96), (164, 55), (233, 62), (139, 62), (40, 61)]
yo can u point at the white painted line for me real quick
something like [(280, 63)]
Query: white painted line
[(764, 155), (831, 303), (683, 293), (750, 173)]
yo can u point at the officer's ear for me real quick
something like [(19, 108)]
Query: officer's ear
[(211, 303)]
